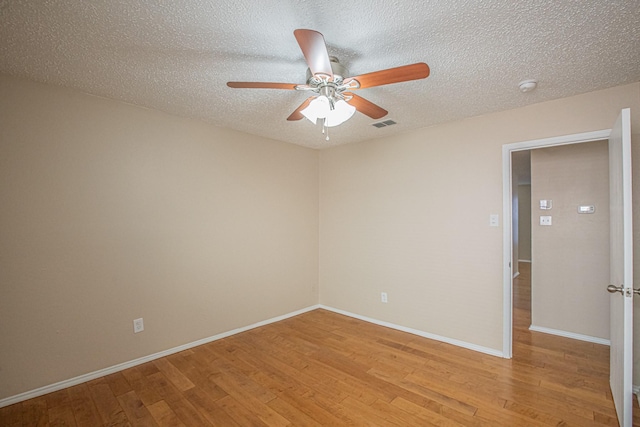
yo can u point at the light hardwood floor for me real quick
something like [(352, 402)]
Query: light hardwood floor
[(322, 368)]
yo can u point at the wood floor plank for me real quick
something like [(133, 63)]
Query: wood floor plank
[(250, 395), (365, 414), (291, 413), (12, 415), (309, 405), (270, 377), (189, 366), (328, 404), (118, 383), (148, 369), (164, 415), (187, 413), (534, 414), (58, 398), (290, 391), (62, 415), (141, 384), (165, 388), (428, 417), (285, 359), (439, 398), (308, 378), (34, 412), (202, 359), (228, 353), (504, 417), (83, 406), (608, 420), (181, 362), (209, 408), (239, 413), (60, 411), (467, 393), (234, 381), (173, 374), (136, 412), (331, 378), (387, 359), (108, 406)]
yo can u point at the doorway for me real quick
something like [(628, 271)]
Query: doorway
[(569, 186), (508, 232)]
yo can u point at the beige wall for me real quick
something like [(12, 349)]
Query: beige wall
[(524, 222), (570, 268), (409, 215), (111, 212)]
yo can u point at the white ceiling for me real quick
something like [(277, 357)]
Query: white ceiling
[(177, 56)]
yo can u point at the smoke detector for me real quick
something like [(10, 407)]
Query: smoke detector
[(527, 85)]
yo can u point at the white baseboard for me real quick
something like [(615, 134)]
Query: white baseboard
[(573, 335), (464, 344), (126, 365), (524, 260)]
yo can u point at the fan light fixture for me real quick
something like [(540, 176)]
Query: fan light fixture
[(330, 106), (333, 112)]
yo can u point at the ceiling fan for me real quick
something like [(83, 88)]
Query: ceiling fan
[(332, 99)]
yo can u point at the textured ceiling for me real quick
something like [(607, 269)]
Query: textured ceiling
[(177, 56)]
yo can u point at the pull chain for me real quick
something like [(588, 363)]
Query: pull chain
[(325, 128)]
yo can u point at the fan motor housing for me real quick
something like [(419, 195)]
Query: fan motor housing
[(340, 72)]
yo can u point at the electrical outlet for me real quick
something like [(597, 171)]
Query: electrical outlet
[(545, 220), (383, 297), (138, 325)]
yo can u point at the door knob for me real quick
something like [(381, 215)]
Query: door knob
[(613, 289)]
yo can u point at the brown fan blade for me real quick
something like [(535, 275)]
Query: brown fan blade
[(315, 51), (405, 73), (261, 85), (367, 108), (297, 115)]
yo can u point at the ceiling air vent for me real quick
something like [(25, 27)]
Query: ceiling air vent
[(384, 124)]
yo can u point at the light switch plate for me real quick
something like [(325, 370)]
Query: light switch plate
[(546, 204)]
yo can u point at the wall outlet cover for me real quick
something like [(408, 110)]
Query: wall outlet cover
[(138, 325), (545, 220)]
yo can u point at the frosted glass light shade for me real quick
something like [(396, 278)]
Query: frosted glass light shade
[(319, 108), (340, 114)]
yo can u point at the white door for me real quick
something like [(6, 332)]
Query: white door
[(621, 276)]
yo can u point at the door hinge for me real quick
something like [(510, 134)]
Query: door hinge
[(628, 292)]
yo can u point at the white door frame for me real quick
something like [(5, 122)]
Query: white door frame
[(507, 245)]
